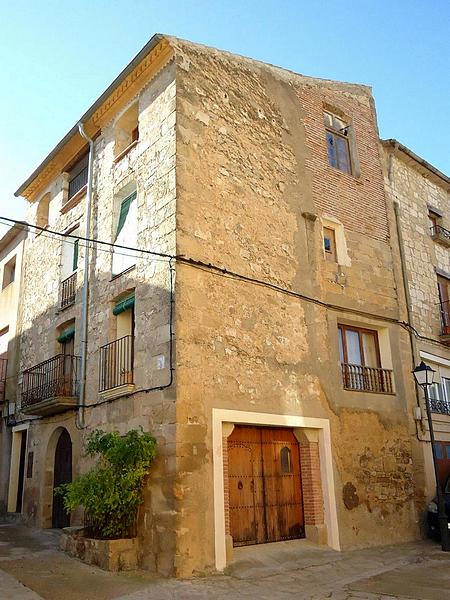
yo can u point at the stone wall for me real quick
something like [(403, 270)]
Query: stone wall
[(253, 137), (150, 166)]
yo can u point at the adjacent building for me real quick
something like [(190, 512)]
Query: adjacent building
[(12, 436), (420, 195), (244, 304)]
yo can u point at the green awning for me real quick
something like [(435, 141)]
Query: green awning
[(66, 334), (123, 305), (124, 208)]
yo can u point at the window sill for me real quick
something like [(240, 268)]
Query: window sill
[(74, 200), (114, 277), (117, 392), (370, 392), (125, 151)]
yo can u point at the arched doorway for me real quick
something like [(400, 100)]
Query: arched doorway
[(62, 473)]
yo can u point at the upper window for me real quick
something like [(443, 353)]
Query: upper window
[(359, 346), (329, 244), (126, 234), (360, 361), (78, 176), (43, 211), (338, 146), (9, 272), (126, 131), (4, 342)]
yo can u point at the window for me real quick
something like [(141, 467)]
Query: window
[(125, 234), (66, 339), (285, 457), (78, 176), (126, 131), (360, 361), (4, 342), (439, 394), (117, 357), (69, 256), (43, 211), (444, 297), (338, 147), (329, 244), (9, 272), (433, 222)]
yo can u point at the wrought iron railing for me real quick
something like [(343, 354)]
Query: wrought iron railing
[(445, 317), (3, 368), (56, 377), (78, 182), (116, 363), (441, 406), (68, 290), (367, 379), (441, 232)]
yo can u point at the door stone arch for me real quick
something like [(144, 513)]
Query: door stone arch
[(58, 469)]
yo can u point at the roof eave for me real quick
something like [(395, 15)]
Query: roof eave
[(152, 43)]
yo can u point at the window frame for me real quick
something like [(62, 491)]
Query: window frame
[(9, 271), (359, 330), (337, 134), (330, 255)]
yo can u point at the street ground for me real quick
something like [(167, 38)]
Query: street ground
[(33, 568)]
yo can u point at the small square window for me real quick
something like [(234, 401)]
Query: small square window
[(9, 272), (329, 244)]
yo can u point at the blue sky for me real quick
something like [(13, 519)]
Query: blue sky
[(58, 56)]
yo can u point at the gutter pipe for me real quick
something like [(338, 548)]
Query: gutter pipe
[(85, 289)]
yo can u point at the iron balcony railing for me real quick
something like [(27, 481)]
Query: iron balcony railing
[(57, 377), (440, 406), (78, 182), (68, 291), (3, 367), (445, 317), (367, 379), (116, 363), (440, 232)]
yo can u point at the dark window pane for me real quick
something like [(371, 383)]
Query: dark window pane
[(343, 154), (331, 148), (285, 456), (327, 244)]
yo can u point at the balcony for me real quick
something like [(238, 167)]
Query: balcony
[(51, 386), (3, 367), (367, 379), (440, 235), (445, 320), (68, 290), (439, 406), (117, 366)]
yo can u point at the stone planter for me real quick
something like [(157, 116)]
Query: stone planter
[(110, 555)]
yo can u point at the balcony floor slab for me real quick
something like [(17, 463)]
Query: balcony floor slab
[(51, 406)]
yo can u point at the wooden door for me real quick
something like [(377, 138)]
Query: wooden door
[(62, 474), (265, 491), (23, 450)]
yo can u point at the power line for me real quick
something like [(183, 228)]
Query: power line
[(227, 273)]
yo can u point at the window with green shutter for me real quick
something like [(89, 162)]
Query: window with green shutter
[(124, 209)]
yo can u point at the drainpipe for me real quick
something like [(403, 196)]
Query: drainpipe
[(412, 339), (85, 289)]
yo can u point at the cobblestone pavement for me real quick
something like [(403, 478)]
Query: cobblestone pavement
[(32, 568)]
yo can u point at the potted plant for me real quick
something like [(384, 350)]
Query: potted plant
[(110, 494)]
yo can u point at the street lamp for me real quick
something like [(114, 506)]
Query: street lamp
[(423, 375)]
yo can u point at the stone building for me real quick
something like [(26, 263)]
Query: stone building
[(12, 437), (256, 330), (420, 195)]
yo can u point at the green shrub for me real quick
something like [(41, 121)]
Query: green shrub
[(111, 492)]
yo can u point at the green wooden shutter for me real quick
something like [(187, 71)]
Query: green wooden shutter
[(67, 334), (123, 305), (124, 208)]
